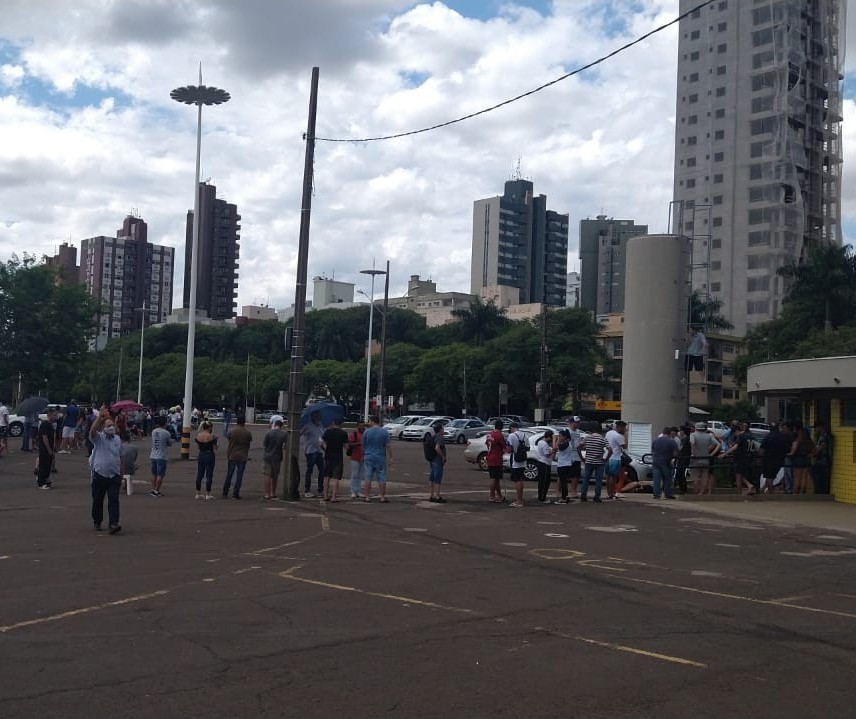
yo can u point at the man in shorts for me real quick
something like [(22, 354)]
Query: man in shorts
[(437, 463), (69, 427), (161, 440), (495, 459), (377, 454), (272, 450), (516, 440), (616, 441), (333, 441)]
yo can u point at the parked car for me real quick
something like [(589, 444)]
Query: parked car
[(16, 425), (395, 426), (262, 417), (460, 430), (717, 428), (421, 428)]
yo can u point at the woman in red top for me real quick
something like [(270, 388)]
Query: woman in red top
[(496, 448), (354, 450)]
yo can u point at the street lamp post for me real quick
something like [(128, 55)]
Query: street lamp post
[(142, 335), (194, 95), (373, 272)]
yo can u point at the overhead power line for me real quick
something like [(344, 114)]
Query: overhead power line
[(557, 80)]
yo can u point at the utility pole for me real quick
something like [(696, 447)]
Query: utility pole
[(381, 390), (291, 483), (542, 384)]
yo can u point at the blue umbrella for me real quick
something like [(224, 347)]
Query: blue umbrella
[(330, 412)]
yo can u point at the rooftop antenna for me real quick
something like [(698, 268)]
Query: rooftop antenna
[(518, 175)]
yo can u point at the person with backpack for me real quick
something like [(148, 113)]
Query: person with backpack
[(496, 448), (544, 449), (519, 449), (434, 447)]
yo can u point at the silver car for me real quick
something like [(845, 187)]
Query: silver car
[(421, 428), (396, 426), (458, 431)]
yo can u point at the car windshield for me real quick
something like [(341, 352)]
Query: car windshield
[(458, 423), (424, 420)]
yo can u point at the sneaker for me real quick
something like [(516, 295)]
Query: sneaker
[(115, 528), (198, 496), (209, 496), (544, 501), (97, 527), (583, 499), (45, 486), (354, 496), (656, 496), (308, 495), (516, 504), (598, 500), (561, 500), (63, 451), (432, 499), (440, 500), (236, 496), (154, 493)]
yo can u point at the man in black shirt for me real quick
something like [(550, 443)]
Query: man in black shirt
[(46, 439), (333, 440), (774, 447)]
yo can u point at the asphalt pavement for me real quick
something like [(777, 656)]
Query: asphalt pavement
[(248, 608)]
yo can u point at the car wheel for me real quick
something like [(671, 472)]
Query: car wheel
[(16, 429), (530, 471), (401, 436), (461, 439), (482, 461)]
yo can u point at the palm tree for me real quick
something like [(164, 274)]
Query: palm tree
[(706, 312), (480, 321), (826, 278)]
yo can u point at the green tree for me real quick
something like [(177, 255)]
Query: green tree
[(706, 312), (480, 321)]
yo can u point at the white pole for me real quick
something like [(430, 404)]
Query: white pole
[(191, 309), (369, 351), (140, 375)]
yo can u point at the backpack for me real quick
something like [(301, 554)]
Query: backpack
[(520, 454), (429, 448)]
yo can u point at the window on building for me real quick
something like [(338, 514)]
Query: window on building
[(689, 226), (691, 162), (759, 237), (694, 56), (692, 120), (717, 179), (757, 172), (764, 81), (715, 266), (758, 284), (715, 286), (720, 113), (762, 37), (718, 156), (757, 262), (694, 77), (762, 104), (756, 149), (722, 48), (758, 307), (717, 199), (763, 126), (692, 140), (695, 34), (760, 59), (693, 98), (719, 135), (723, 5), (848, 412), (722, 27), (760, 15), (691, 183), (721, 70)]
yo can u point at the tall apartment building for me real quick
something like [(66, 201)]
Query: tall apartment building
[(573, 289), (217, 257), (518, 242), (603, 243), (128, 272), (757, 144), (65, 263)]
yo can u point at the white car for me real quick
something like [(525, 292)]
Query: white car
[(396, 426), (458, 431), (421, 428)]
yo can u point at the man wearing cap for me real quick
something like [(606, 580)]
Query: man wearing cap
[(47, 449), (544, 449), (437, 462), (703, 447)]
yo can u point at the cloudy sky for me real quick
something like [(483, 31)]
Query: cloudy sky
[(88, 133)]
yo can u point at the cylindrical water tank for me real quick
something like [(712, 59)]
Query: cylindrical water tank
[(656, 300)]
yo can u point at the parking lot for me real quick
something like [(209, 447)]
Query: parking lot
[(413, 609)]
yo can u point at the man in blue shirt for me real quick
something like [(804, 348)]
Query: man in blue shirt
[(106, 465), (376, 453), (69, 427), (663, 451), (311, 435)]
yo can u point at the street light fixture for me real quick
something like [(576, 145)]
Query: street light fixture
[(198, 95), (374, 273)]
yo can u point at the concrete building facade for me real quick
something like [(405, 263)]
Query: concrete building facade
[(436, 307), (65, 264), (217, 257), (757, 144), (518, 242), (327, 292)]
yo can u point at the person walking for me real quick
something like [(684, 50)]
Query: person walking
[(544, 450), (71, 416), (227, 420), (311, 435), (616, 441), (663, 452), (273, 445), (519, 447), (703, 446), (237, 454), (47, 449), (206, 444), (333, 441), (377, 454), (105, 462), (161, 440), (594, 447), (435, 453), (355, 452), (129, 463), (495, 460), (565, 453)]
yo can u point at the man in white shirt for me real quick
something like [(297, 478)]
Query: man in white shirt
[(518, 444), (4, 427), (616, 441)]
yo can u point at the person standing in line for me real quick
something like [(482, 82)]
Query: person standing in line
[(311, 435), (740, 449), (105, 462), (519, 446), (594, 448), (161, 440), (377, 455), (544, 449), (820, 458), (663, 452), (31, 425), (227, 420), (4, 428), (437, 462), (274, 418), (333, 440), (47, 449), (355, 452), (616, 441), (565, 458), (800, 454), (683, 463), (495, 459), (69, 427), (206, 443), (237, 454), (703, 447), (272, 452), (129, 463)]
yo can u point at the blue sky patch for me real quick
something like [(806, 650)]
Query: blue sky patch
[(487, 9)]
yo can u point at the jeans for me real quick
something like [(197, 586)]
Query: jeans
[(597, 470), (662, 478), (435, 475), (27, 435), (374, 468), (205, 468), (230, 470), (543, 481), (788, 481), (314, 459), (356, 476), (112, 487), (820, 477), (226, 423)]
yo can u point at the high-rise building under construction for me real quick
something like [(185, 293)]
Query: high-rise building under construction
[(757, 144)]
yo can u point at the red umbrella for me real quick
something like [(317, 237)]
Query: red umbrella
[(125, 405)]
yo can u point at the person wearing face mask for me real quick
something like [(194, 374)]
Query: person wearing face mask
[(106, 465)]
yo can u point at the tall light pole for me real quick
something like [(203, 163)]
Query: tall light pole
[(142, 335), (198, 95), (373, 272)]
